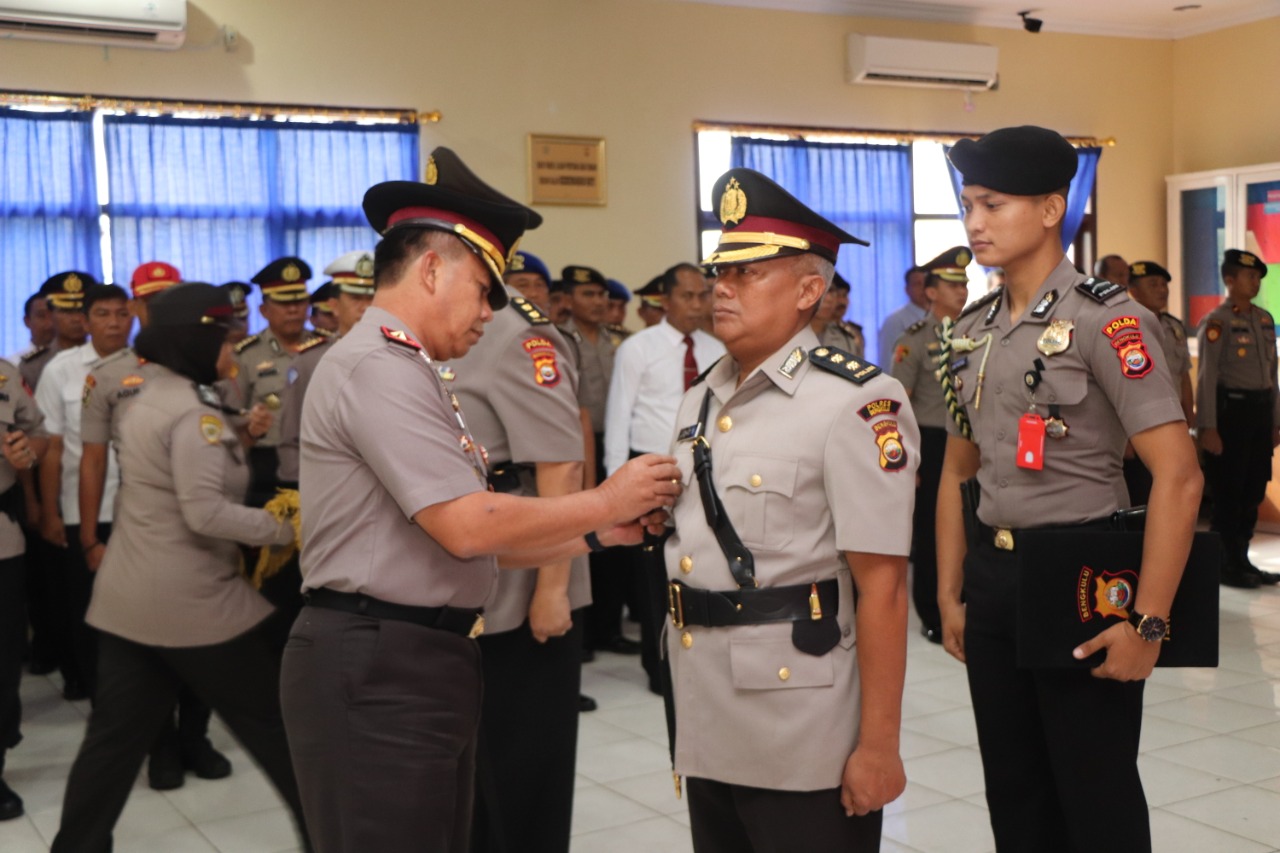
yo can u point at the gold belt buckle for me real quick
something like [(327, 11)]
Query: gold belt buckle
[(477, 627), (675, 605), (1004, 539)]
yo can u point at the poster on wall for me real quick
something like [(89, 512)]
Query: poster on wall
[(566, 170), (1262, 236)]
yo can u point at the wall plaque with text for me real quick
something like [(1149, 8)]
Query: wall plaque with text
[(566, 169)]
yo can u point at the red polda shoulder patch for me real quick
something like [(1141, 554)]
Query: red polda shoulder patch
[(1126, 338), (543, 353)]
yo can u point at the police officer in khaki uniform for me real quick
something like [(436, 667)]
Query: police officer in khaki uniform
[(22, 442), (64, 293), (1048, 376), (263, 361), (651, 309), (916, 358), (518, 389), (323, 320), (531, 278), (1238, 412), (830, 325), (381, 684), (808, 498)]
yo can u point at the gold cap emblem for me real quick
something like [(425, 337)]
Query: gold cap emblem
[(1139, 269), (364, 266), (582, 276), (1247, 259), (432, 174), (291, 273), (733, 203), (72, 284), (963, 259), (516, 263)]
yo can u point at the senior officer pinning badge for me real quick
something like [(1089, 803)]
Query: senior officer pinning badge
[(1056, 338), (1126, 338), (893, 455), (211, 428), (543, 353)]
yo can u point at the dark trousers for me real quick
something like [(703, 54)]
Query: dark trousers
[(525, 763), (264, 463), (738, 819), (13, 638), (74, 589), (382, 718), (137, 687), (48, 646), (1057, 744), (1238, 476), (924, 539)]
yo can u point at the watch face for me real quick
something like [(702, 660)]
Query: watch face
[(1152, 629)]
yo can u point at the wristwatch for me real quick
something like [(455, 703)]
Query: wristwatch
[(1153, 629)]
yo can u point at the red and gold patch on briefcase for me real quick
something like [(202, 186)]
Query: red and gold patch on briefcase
[(893, 454), (545, 370), (1105, 594)]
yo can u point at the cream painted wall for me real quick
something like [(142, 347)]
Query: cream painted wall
[(638, 72)]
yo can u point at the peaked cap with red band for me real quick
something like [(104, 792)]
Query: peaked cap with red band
[(153, 277), (453, 199), (284, 280), (763, 221)]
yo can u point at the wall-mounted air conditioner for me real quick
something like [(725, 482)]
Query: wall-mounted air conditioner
[(157, 24), (913, 62)]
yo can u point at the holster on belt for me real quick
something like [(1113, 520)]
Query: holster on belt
[(505, 477)]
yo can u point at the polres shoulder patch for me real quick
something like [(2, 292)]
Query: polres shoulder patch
[(529, 311), (1099, 290), (843, 364)]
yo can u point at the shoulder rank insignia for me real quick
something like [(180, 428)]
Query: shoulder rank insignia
[(993, 296), (917, 326), (209, 396), (843, 364), (246, 343), (400, 337), (529, 311), (850, 325), (35, 353), (313, 343), (324, 334), (1098, 289), (1043, 306)]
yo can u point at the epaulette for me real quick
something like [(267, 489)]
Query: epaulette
[(209, 396), (529, 311), (246, 343), (1099, 289), (325, 333), (315, 342), (843, 364), (849, 324), (983, 302), (38, 351), (915, 327), (400, 337), (703, 375)]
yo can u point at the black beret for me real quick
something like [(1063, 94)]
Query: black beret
[(763, 221), (1026, 160), (453, 199), (192, 303), (1247, 260), (572, 276), (1145, 268), (284, 280), (950, 265)]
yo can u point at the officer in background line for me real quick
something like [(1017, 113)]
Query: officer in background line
[(916, 358), (830, 325), (615, 316), (1047, 377), (808, 498), (651, 309), (1238, 412), (64, 293), (323, 320)]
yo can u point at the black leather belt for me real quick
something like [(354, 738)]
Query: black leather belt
[(455, 620), (1006, 538), (1247, 395), (752, 606)]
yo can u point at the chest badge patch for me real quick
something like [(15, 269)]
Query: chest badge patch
[(133, 380), (1056, 338), (211, 428)]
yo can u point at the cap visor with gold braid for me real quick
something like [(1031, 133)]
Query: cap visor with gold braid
[(762, 221), (284, 280), (950, 265), (353, 273), (65, 290)]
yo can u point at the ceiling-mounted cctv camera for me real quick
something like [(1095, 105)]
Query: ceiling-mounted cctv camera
[(1031, 25)]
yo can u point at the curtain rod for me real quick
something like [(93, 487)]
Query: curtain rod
[(217, 109), (902, 136)]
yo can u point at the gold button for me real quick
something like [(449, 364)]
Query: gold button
[(724, 424), (686, 640), (784, 673), (755, 480), (686, 564)]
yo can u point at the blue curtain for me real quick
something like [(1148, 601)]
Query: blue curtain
[(1077, 195), (221, 198), (864, 189), (48, 208)]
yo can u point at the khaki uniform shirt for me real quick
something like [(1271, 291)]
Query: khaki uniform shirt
[(380, 442), (1237, 350), (1111, 382), (1176, 351), (520, 397), (18, 409), (915, 362), (595, 369), (804, 468), (172, 571), (298, 376), (262, 374), (110, 387), (846, 336), (33, 363)]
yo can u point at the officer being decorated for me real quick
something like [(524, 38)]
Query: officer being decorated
[(1045, 379), (798, 462)]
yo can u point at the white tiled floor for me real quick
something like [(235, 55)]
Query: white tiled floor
[(1211, 761)]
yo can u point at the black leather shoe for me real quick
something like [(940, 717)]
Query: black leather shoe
[(932, 634), (586, 703), (620, 646), (205, 761), (41, 667), (588, 655), (10, 803), (164, 770), (1239, 578), (74, 691), (1264, 578)]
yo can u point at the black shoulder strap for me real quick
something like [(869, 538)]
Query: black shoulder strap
[(529, 311), (983, 302), (703, 375), (1099, 289), (843, 364), (742, 562)]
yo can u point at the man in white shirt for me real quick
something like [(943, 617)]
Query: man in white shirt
[(651, 371), (60, 395), (916, 309)]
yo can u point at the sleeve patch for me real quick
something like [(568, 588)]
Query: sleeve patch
[(901, 353), (543, 353), (1213, 331), (1135, 361), (1118, 325), (211, 428), (893, 454), (877, 408), (89, 384)]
